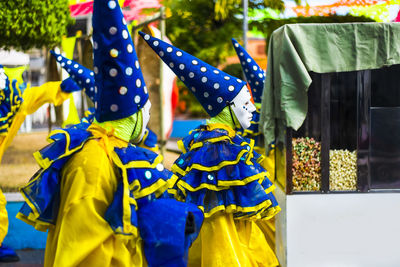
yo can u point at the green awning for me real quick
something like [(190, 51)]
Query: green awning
[(297, 49)]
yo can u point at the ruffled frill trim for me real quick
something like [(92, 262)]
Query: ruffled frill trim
[(149, 140), (218, 172), (42, 192)]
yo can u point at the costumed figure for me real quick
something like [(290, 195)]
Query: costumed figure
[(84, 78), (255, 77), (102, 199), (218, 170), (14, 107)]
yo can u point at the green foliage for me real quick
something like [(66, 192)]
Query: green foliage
[(196, 27), (204, 28), (25, 24), (267, 26), (234, 70)]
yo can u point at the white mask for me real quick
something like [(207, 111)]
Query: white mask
[(145, 117), (3, 79), (243, 107)]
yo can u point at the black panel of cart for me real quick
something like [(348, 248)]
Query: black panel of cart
[(350, 139)]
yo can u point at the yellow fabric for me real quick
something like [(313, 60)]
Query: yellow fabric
[(15, 73), (81, 236), (68, 46), (268, 229), (269, 161), (73, 117), (34, 97), (3, 217), (224, 117), (224, 241)]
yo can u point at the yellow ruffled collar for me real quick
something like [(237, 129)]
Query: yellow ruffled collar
[(213, 126)]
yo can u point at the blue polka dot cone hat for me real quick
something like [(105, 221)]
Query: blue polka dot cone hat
[(119, 85), (255, 75), (212, 87), (83, 76)]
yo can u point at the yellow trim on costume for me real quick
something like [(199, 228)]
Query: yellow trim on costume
[(214, 126), (211, 140), (160, 184), (197, 166), (45, 162), (181, 146), (183, 186), (158, 187), (137, 164), (5, 126), (27, 200), (235, 208), (37, 224), (221, 185)]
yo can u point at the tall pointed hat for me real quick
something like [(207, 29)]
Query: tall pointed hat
[(255, 75), (212, 87), (82, 76), (119, 85)]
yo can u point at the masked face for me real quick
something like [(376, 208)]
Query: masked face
[(145, 116), (3, 79), (243, 107)]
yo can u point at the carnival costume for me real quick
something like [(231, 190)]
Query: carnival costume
[(255, 77), (218, 170), (102, 198), (14, 107), (84, 78)]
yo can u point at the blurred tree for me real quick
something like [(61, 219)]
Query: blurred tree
[(204, 28), (25, 24)]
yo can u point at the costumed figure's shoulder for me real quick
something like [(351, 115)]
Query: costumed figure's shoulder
[(42, 192), (220, 171), (149, 140)]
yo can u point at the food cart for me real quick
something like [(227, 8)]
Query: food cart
[(331, 103)]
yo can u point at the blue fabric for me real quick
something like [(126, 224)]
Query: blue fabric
[(89, 116), (212, 87), (7, 254), (255, 75), (114, 213), (150, 139), (69, 85), (121, 90), (83, 76), (223, 173), (44, 188), (10, 101), (166, 241)]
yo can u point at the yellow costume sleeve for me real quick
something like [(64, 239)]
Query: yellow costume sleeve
[(81, 236), (33, 98), (3, 217)]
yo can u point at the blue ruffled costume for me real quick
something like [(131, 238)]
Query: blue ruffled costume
[(10, 101), (219, 171)]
